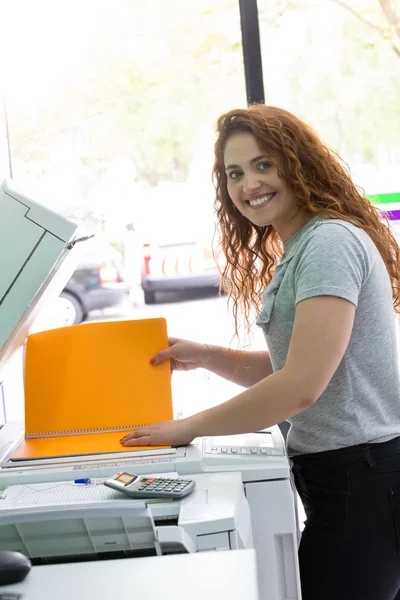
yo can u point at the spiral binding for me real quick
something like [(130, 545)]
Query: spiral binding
[(65, 432)]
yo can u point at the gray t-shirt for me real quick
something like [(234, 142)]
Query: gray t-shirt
[(362, 401)]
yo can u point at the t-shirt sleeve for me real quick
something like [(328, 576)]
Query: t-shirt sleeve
[(334, 263)]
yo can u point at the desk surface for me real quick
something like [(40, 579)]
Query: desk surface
[(201, 576)]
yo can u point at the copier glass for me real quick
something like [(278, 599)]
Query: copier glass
[(259, 459)]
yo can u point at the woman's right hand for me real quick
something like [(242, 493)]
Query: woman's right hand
[(184, 355)]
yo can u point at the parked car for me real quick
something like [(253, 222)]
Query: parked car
[(177, 266), (175, 233), (97, 283)]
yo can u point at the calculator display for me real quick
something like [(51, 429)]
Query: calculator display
[(126, 478)]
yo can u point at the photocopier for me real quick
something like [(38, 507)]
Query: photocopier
[(243, 496)]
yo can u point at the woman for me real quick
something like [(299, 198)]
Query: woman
[(306, 249)]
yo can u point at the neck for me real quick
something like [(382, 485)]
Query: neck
[(286, 229)]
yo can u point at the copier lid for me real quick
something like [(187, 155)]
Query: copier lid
[(38, 254)]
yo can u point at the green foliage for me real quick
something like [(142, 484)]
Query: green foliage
[(143, 80), (149, 83), (342, 75)]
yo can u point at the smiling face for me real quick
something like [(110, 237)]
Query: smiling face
[(257, 190)]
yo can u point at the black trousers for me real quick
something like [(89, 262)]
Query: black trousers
[(350, 546)]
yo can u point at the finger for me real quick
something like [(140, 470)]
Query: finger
[(166, 353), (143, 441), (134, 437), (125, 438), (161, 356), (135, 434), (128, 436)]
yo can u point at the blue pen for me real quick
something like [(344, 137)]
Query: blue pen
[(83, 481)]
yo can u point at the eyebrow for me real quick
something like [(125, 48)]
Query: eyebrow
[(251, 162)]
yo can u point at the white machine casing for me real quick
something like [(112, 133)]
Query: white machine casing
[(39, 260), (265, 479), (230, 575), (66, 519)]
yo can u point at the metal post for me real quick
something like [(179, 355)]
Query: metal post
[(251, 51)]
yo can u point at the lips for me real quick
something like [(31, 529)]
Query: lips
[(260, 201)]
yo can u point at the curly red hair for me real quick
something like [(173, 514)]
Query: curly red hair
[(321, 184)]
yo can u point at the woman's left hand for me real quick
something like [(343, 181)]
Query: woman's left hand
[(167, 433)]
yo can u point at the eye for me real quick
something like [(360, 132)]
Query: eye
[(264, 165), (234, 174)]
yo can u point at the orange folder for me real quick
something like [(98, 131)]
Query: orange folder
[(88, 385)]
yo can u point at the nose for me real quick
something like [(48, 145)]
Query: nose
[(251, 183)]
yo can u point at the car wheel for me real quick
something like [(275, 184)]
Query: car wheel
[(149, 297), (70, 309)]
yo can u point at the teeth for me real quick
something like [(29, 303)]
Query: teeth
[(262, 200)]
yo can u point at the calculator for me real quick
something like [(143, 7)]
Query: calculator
[(136, 486)]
